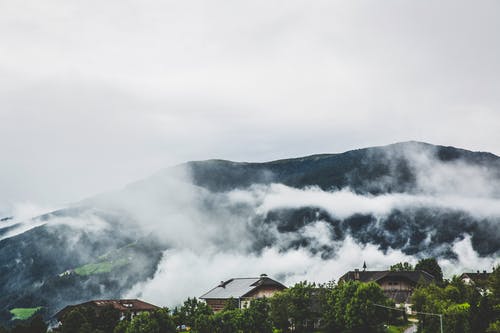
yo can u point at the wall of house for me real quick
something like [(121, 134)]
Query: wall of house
[(216, 304), (467, 280), (396, 284), (264, 291)]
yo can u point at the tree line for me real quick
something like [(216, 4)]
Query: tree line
[(350, 307)]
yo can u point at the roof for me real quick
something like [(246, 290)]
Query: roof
[(375, 276), (476, 277), (240, 287), (123, 305)]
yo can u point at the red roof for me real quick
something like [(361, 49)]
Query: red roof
[(123, 305)]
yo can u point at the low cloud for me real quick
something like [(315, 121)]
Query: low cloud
[(290, 233)]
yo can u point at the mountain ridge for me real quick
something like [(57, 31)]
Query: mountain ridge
[(162, 211)]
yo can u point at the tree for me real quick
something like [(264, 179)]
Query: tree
[(121, 327), (351, 307), (257, 319), (494, 285), (402, 266), (494, 327), (73, 321), (295, 307), (189, 311), (37, 325), (431, 266), (107, 319), (204, 323), (343, 294), (159, 321), (195, 314), (361, 314), (143, 323), (457, 318), (301, 300), (165, 321), (228, 321), (279, 310)]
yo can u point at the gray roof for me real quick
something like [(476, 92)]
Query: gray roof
[(239, 287)]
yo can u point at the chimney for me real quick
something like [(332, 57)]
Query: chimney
[(263, 275)]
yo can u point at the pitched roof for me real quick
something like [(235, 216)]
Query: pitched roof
[(368, 276), (239, 287), (476, 277), (124, 305)]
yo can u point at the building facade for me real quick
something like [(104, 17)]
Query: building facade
[(397, 285), (241, 291)]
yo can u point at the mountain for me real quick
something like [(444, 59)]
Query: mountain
[(413, 197), (370, 170)]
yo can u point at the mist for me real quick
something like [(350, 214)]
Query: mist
[(189, 234), (246, 232)]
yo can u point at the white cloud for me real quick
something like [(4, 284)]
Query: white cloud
[(93, 95), (344, 203), (186, 273)]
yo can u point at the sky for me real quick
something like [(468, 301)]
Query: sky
[(97, 94)]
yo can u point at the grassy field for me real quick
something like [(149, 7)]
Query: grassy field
[(100, 267), (24, 313)]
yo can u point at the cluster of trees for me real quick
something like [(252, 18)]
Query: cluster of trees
[(305, 307), (351, 307), (464, 308), (108, 320), (34, 325), (430, 265)]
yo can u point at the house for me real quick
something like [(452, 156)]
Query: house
[(241, 290), (477, 279), (397, 285), (126, 307)]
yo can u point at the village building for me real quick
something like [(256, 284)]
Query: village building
[(242, 291), (478, 280), (475, 279), (126, 307), (396, 285)]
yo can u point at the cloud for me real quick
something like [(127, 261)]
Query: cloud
[(184, 272), (451, 220), (291, 234), (94, 95)]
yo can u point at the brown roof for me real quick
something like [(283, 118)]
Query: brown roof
[(476, 277), (375, 276), (123, 305)]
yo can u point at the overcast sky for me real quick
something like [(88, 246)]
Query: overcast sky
[(96, 94)]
